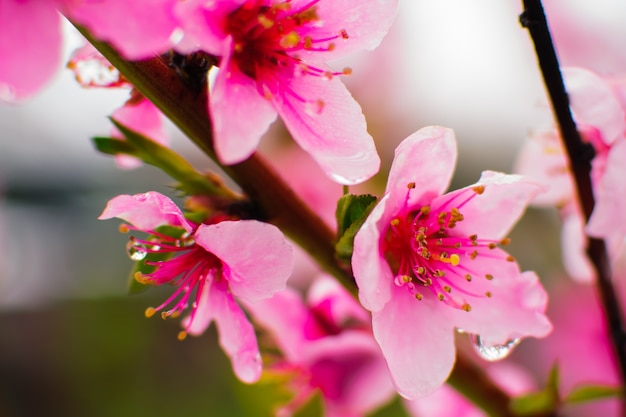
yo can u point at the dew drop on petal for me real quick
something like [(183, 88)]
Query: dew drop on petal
[(136, 251), (494, 352)]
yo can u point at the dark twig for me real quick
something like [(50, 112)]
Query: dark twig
[(580, 157)]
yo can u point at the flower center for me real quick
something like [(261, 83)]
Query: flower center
[(267, 39), (429, 258), (174, 259)]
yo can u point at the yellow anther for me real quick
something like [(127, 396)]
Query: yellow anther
[(473, 237), (419, 296), (182, 335), (410, 185), (488, 294), (505, 241), (124, 228), (290, 40), (466, 307), (150, 312), (406, 278), (265, 21), (454, 259), (510, 259), (441, 297), (347, 71), (308, 42), (468, 277), (331, 46), (473, 255), (428, 282), (395, 222), (489, 277), (479, 189), (492, 245), (425, 210), (140, 278), (164, 314), (421, 270), (447, 289)]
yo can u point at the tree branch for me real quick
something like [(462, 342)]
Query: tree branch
[(580, 155)]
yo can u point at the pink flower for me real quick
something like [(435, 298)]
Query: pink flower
[(428, 263), (328, 346), (273, 56), (598, 108), (210, 265), (30, 47)]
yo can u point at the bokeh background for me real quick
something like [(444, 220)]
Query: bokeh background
[(73, 343)]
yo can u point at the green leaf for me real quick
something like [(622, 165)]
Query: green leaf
[(352, 211), (532, 404), (351, 208), (588, 393), (177, 167), (540, 402), (111, 146)]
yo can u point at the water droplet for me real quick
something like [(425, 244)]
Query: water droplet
[(136, 251), (91, 69), (491, 352)]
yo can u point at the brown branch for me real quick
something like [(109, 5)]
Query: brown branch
[(580, 155)]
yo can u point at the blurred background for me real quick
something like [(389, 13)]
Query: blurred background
[(73, 343)]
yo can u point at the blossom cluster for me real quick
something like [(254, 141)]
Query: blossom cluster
[(409, 272)]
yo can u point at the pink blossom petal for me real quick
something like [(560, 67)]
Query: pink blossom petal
[(595, 103), (350, 371), (371, 270), (236, 334), (30, 47), (286, 328), (258, 260), (514, 310), (609, 216), (427, 159), (417, 342), (137, 29), (366, 22), (445, 402), (342, 306), (506, 196), (328, 123), (143, 118), (542, 158), (204, 24), (234, 98), (146, 211), (573, 247)]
